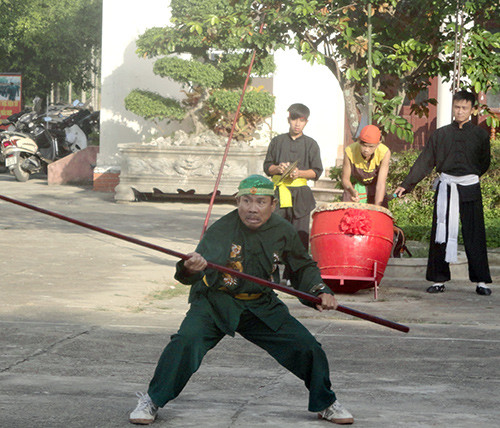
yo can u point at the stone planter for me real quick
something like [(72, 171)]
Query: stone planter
[(184, 164)]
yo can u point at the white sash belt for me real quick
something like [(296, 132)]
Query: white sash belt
[(442, 201)]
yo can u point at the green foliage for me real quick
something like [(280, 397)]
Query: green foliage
[(254, 102), (410, 45), (222, 105), (199, 9), (193, 73), (480, 49), (491, 196), (50, 42), (153, 106), (413, 213), (386, 117), (235, 68), (335, 174)]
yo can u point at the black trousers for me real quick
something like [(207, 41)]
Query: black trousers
[(474, 234), (301, 225)]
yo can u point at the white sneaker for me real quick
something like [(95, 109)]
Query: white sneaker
[(145, 412), (337, 414)]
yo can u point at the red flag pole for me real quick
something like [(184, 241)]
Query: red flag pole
[(288, 290), (224, 157)]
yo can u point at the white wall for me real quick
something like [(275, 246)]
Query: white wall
[(297, 81), (122, 70)]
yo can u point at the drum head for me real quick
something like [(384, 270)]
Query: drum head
[(333, 206)]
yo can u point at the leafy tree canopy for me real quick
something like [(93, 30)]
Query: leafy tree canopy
[(50, 41), (413, 41), (188, 72)]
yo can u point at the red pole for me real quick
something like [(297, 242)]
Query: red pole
[(217, 182), (288, 290)]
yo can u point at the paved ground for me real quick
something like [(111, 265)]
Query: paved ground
[(84, 318)]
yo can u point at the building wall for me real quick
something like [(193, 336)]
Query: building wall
[(122, 70)]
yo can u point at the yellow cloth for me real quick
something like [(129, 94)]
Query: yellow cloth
[(285, 194), (240, 296), (247, 296)]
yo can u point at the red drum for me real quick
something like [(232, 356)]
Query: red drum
[(351, 243)]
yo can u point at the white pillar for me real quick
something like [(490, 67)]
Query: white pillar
[(445, 97), (122, 70)]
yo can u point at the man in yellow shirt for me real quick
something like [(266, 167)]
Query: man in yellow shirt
[(366, 164)]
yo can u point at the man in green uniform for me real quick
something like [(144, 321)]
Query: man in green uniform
[(253, 240)]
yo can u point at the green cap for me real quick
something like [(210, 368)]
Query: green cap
[(256, 185)]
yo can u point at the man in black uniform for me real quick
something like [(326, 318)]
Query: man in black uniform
[(460, 152), (296, 200)]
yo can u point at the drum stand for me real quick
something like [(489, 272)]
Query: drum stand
[(343, 278)]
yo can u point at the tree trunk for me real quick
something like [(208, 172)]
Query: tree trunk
[(352, 112), (199, 127), (351, 108)]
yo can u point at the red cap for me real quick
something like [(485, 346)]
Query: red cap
[(370, 134)]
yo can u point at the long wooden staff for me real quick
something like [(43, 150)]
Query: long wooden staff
[(230, 137), (288, 290)]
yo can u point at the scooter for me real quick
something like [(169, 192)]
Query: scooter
[(26, 154), (10, 124), (72, 132), (34, 139)]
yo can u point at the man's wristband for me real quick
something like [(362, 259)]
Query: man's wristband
[(320, 288)]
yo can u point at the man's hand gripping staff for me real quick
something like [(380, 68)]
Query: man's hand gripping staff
[(196, 263)]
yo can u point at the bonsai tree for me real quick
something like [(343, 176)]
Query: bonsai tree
[(211, 79)]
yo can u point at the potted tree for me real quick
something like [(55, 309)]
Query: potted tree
[(212, 84)]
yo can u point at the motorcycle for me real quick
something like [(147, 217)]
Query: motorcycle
[(11, 124), (72, 128), (25, 154), (36, 140)]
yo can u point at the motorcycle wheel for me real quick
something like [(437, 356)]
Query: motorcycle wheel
[(19, 173)]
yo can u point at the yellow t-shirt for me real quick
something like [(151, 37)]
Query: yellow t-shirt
[(364, 170)]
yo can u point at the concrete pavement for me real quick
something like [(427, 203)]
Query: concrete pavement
[(84, 318)]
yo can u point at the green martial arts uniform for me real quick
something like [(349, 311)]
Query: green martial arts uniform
[(222, 304)]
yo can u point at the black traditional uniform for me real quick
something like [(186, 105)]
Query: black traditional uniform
[(457, 152), (305, 150)]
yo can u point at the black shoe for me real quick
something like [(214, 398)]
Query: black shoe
[(483, 291), (436, 288)]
